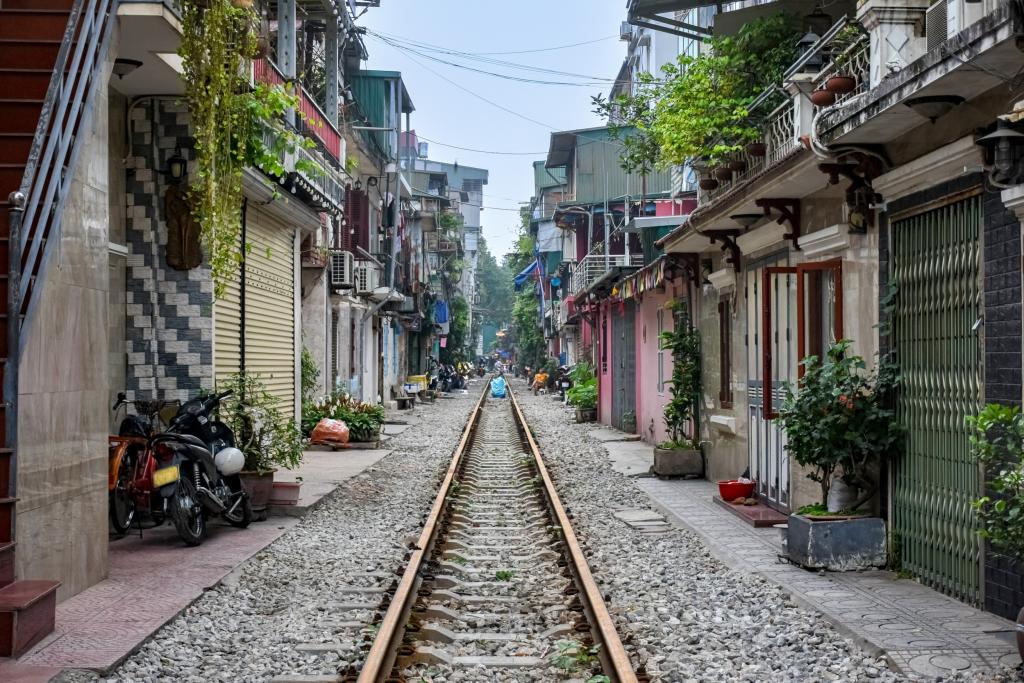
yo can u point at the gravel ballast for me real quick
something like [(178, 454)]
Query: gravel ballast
[(249, 627), (688, 616)]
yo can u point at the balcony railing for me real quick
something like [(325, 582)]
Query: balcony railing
[(594, 266), (322, 178), (314, 123)]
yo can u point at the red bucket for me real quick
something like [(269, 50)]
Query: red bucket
[(732, 489)]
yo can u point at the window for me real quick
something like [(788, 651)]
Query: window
[(819, 315), (661, 352), (724, 354)]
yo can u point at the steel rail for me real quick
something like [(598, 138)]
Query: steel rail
[(618, 667), (381, 658)]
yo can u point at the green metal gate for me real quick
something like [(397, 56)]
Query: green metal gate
[(936, 266)]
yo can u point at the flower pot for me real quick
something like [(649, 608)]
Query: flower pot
[(731, 490), (242, 4), (678, 462), (838, 545), (708, 184), (738, 165), (259, 486), (823, 98), (586, 414), (756, 149), (723, 173), (285, 492), (262, 47), (841, 84)]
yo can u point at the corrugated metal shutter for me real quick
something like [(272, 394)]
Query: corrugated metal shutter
[(270, 306), (227, 331)]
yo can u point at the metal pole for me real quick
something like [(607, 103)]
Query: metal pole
[(331, 66), (10, 386), (286, 44)]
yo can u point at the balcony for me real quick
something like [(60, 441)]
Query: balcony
[(313, 121), (596, 267)]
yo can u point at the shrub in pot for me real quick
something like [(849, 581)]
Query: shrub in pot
[(583, 392), (997, 441), (680, 455), (267, 438), (841, 48), (708, 183), (756, 149), (840, 421), (723, 173)]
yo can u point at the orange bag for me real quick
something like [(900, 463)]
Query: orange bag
[(329, 432)]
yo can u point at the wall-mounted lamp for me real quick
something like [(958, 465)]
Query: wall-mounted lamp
[(933, 107), (177, 166), (1003, 152), (358, 185), (123, 67), (747, 220)]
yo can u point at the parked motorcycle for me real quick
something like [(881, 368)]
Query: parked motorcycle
[(563, 381), (130, 464), (198, 473)]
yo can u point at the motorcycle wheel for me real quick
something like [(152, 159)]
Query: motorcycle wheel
[(187, 513), (122, 505), (243, 514)]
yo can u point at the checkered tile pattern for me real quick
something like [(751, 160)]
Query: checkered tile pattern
[(169, 312)]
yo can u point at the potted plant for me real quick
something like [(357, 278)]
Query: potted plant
[(723, 172), (997, 441), (823, 98), (840, 421), (708, 183), (286, 492), (266, 437), (583, 392), (738, 165), (756, 149), (681, 455), (841, 48)]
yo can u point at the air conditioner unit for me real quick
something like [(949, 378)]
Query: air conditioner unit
[(366, 278), (343, 265), (626, 31), (936, 28)]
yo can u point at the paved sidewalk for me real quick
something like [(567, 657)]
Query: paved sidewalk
[(921, 631)]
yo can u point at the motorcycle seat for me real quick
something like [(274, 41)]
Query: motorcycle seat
[(181, 438)]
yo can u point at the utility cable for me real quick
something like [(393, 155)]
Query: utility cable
[(517, 52)]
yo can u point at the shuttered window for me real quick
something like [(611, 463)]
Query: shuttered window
[(724, 355)]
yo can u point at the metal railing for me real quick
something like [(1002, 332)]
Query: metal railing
[(322, 177), (67, 109), (593, 266), (314, 123), (854, 60)]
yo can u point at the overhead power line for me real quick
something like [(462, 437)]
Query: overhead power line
[(480, 151), (522, 52)]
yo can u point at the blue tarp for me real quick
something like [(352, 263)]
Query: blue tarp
[(525, 274), (441, 312), (498, 387)]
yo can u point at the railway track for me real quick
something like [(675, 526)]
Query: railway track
[(496, 588)]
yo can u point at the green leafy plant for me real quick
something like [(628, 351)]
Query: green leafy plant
[(572, 655), (503, 574), (699, 106), (997, 441), (841, 45), (583, 392), (267, 438), (364, 420), (310, 376), (841, 419), (234, 125), (683, 341)]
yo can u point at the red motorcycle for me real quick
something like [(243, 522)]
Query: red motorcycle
[(130, 463)]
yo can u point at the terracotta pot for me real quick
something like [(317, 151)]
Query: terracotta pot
[(242, 4), (723, 173), (823, 98), (708, 184), (262, 47), (1020, 633), (259, 487), (738, 165), (756, 149), (841, 84)]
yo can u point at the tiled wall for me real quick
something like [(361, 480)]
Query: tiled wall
[(169, 312)]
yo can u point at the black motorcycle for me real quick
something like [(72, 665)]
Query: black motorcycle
[(562, 381), (198, 470)]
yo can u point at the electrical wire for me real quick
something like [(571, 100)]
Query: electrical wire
[(480, 151), (522, 52)]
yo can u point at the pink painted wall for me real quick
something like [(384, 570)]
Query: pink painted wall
[(604, 351), (650, 404)]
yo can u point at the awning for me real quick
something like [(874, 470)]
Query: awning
[(649, 14), (638, 224), (647, 278)]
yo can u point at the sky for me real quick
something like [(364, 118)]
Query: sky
[(445, 113)]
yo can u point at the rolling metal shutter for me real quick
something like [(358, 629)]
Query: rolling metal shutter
[(270, 306), (227, 316)]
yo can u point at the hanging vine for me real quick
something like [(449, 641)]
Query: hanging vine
[(235, 124)]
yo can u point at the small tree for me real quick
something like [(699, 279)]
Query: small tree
[(841, 419), (997, 440), (684, 343)]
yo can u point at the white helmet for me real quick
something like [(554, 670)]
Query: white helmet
[(229, 461)]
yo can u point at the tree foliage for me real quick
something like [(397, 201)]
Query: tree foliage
[(997, 440), (494, 286), (683, 341)]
